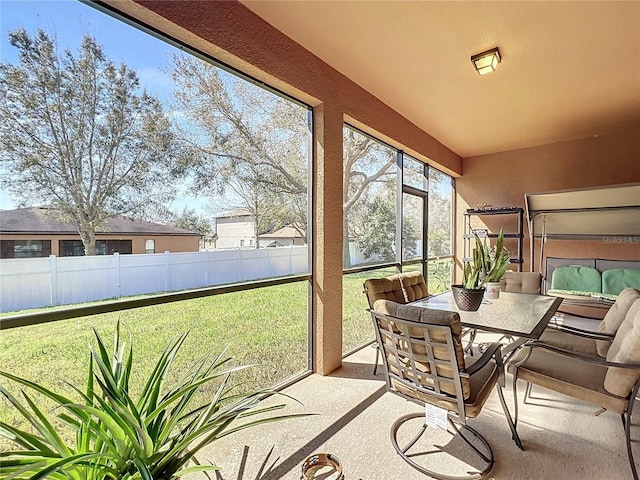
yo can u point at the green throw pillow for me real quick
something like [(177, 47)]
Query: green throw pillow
[(577, 277), (617, 279)]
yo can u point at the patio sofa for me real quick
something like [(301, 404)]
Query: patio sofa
[(589, 286)]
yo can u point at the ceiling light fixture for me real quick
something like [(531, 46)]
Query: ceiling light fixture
[(486, 62)]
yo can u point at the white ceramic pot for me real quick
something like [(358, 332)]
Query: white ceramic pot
[(492, 291)]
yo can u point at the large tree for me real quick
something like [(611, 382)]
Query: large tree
[(440, 214), (77, 133), (245, 142), (373, 227), (245, 138), (366, 164)]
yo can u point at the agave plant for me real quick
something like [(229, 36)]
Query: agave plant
[(155, 436), (489, 264)]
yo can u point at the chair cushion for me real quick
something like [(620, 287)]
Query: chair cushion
[(521, 282), (576, 277), (437, 317), (384, 289), (616, 280), (413, 286), (614, 317), (569, 376), (625, 348)]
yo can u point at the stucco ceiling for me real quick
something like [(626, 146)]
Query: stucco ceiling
[(569, 70)]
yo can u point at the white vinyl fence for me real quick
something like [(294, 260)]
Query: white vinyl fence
[(40, 282)]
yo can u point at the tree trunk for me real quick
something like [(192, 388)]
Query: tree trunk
[(88, 237), (346, 255), (256, 230)]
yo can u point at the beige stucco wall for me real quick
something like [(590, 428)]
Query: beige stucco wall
[(232, 230), (168, 243), (502, 179)]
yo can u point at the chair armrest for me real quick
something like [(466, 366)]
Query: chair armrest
[(562, 314), (582, 333), (582, 300), (492, 351), (582, 356)]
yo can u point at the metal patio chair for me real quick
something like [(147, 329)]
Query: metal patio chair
[(400, 288), (597, 367), (424, 363)]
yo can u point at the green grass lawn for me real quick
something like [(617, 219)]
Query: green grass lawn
[(356, 321), (266, 326)]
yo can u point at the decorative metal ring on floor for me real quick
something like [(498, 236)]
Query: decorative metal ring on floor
[(323, 466), (485, 458)]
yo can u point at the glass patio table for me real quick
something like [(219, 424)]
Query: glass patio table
[(518, 315)]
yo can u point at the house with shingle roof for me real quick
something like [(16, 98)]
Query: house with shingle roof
[(36, 232), (283, 237), (237, 229)]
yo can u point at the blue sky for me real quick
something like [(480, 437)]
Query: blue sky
[(68, 20), (150, 57)]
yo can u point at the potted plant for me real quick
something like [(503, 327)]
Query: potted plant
[(153, 437), (495, 262), (488, 266)]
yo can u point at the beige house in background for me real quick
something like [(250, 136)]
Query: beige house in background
[(283, 237), (35, 232), (236, 229)]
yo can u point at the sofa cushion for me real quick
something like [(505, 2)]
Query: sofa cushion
[(577, 277), (625, 348), (573, 294), (617, 279), (521, 282), (614, 317)]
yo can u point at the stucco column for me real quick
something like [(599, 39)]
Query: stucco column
[(327, 239)]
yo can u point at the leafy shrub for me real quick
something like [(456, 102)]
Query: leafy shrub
[(155, 436)]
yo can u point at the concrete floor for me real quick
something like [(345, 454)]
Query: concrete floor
[(354, 419)]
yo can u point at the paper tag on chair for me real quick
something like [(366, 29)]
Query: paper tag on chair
[(435, 416)]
